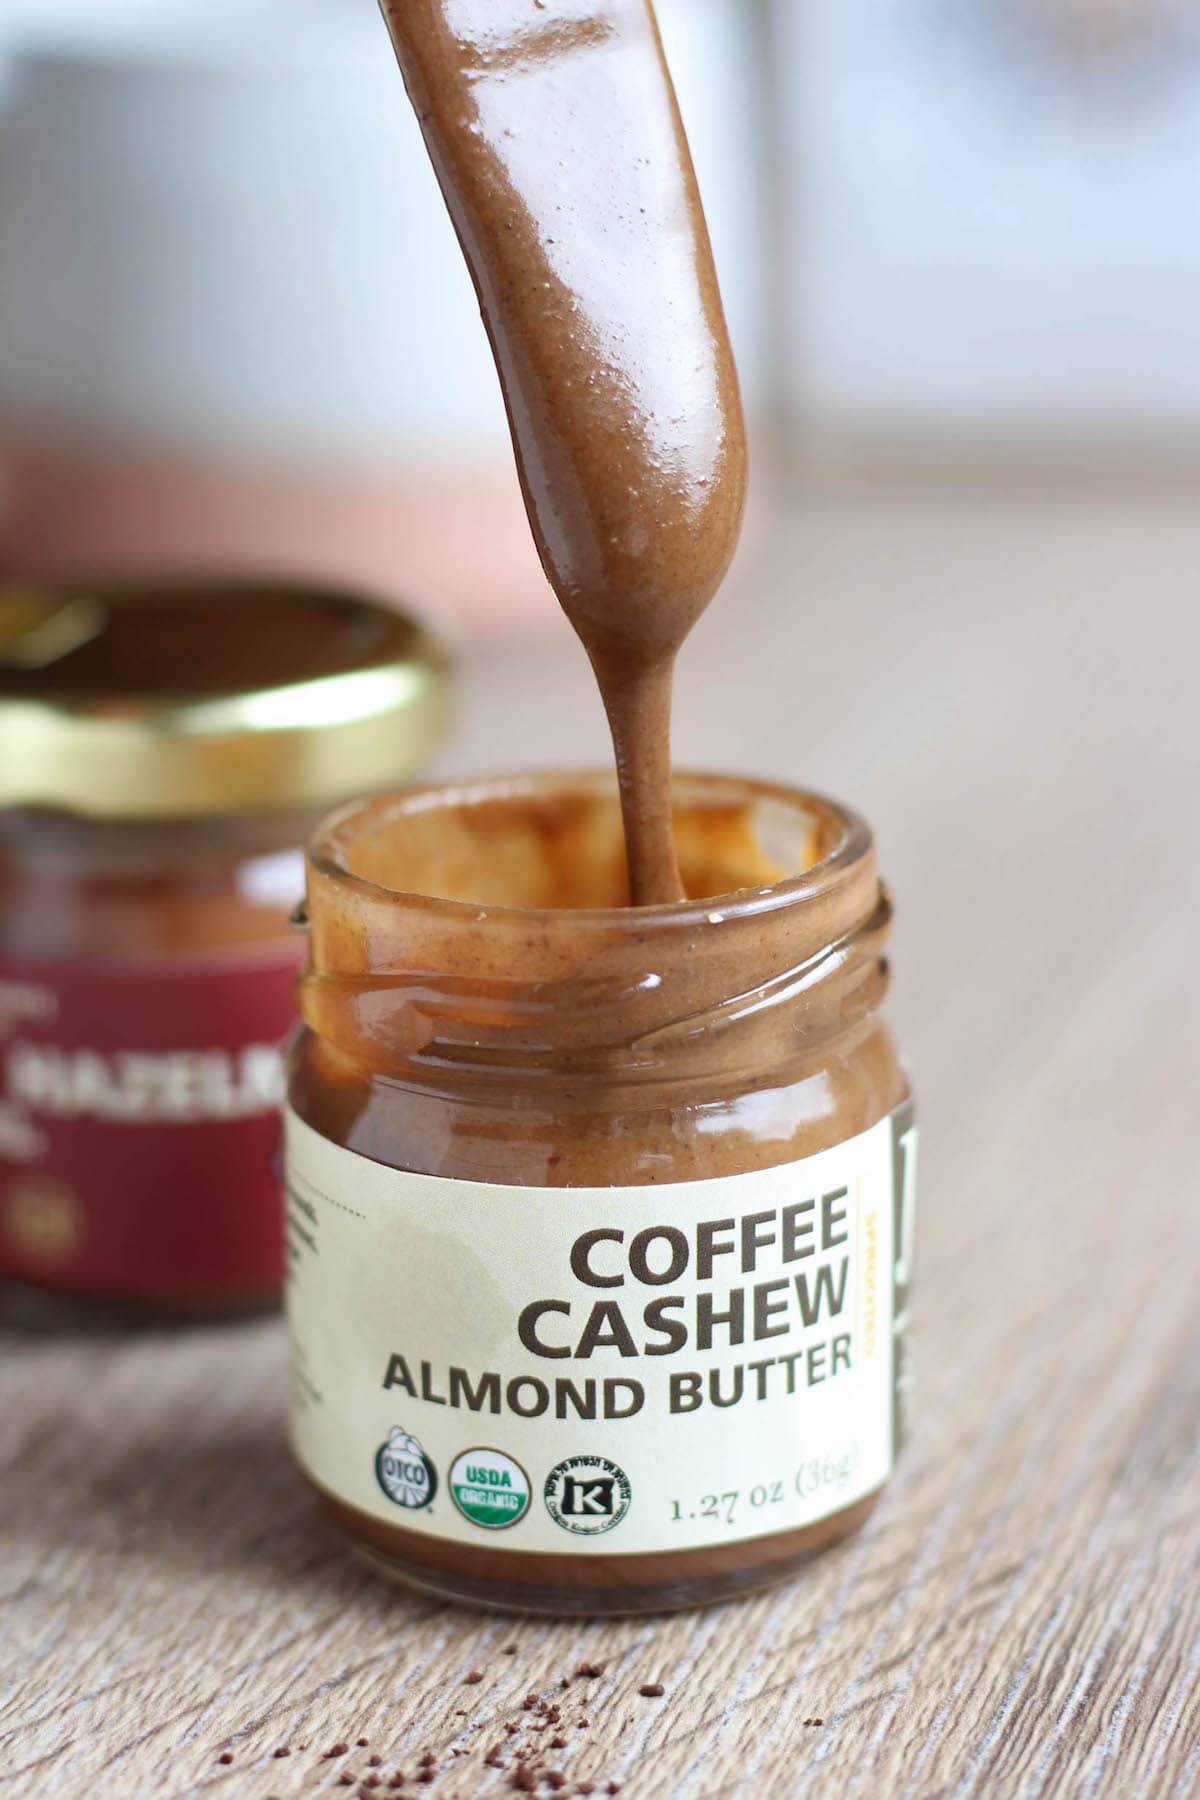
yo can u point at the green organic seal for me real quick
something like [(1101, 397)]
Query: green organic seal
[(489, 1488)]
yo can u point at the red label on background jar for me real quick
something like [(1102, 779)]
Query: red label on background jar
[(140, 1123)]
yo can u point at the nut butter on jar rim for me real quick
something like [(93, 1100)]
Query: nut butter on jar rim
[(600, 1217), (165, 748)]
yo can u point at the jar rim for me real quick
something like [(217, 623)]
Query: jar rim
[(850, 841)]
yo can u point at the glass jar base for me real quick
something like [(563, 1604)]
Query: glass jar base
[(572, 1587)]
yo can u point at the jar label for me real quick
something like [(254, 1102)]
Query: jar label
[(600, 1370), (140, 1123)]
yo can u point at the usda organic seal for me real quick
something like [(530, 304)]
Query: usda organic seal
[(489, 1488), (404, 1472)]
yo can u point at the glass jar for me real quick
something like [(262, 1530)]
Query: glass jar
[(164, 753), (598, 1217)]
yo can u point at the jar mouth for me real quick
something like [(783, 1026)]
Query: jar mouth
[(502, 979), (386, 848)]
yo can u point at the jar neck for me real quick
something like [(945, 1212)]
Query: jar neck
[(683, 1003)]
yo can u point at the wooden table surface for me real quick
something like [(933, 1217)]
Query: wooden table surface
[(1007, 688)]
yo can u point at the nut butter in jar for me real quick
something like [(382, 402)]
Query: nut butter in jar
[(599, 1217), (164, 752)]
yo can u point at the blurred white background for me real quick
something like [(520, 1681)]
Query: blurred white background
[(955, 236), (994, 224), (235, 326), (218, 227)]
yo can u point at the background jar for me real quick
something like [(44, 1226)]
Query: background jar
[(164, 750), (480, 1006)]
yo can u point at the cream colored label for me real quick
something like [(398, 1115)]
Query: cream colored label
[(599, 1370)]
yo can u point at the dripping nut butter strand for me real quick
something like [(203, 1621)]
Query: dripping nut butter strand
[(554, 131)]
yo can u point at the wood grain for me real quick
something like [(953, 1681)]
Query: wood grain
[(1008, 691)]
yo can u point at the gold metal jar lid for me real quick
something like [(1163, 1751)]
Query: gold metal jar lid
[(182, 699)]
